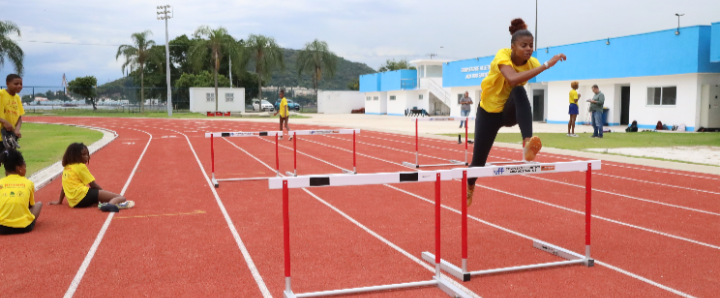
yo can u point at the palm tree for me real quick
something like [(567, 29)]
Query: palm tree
[(9, 47), (315, 57), (266, 54), (218, 43), (136, 55)]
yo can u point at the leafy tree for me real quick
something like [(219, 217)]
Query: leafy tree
[(266, 54), (391, 65), (316, 57), (9, 47), (85, 87), (203, 79), (354, 84), (136, 55), (218, 44)]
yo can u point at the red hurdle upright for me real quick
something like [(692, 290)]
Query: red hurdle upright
[(417, 143)]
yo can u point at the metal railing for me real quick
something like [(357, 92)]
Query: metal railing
[(439, 92)]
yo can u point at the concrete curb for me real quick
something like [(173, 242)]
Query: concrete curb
[(50, 173)]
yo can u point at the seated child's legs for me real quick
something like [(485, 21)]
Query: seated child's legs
[(108, 197)]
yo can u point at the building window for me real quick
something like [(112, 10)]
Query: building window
[(375, 98), (229, 97), (460, 97), (662, 96), (210, 97), (392, 97), (420, 96), (367, 98)]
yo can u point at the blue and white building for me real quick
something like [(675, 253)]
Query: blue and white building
[(656, 76)]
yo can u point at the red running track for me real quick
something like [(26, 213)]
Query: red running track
[(177, 240)]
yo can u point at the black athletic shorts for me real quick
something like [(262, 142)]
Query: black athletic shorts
[(90, 199), (9, 231)]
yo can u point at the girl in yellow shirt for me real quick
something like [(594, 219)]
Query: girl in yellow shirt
[(504, 99), (18, 210), (573, 111), (75, 181)]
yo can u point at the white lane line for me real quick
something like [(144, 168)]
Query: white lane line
[(534, 239), (658, 183), (91, 253), (626, 196), (397, 248), (248, 259)]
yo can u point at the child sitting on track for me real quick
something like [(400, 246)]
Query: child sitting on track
[(75, 180), (11, 111), (18, 210)]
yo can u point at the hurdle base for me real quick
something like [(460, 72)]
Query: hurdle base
[(571, 259), (445, 286), (215, 183), (291, 174), (348, 171), (410, 165), (244, 179), (459, 163)]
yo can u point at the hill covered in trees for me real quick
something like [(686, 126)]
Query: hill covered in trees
[(346, 72)]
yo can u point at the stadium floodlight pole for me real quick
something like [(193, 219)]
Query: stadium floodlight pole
[(677, 32), (164, 14)]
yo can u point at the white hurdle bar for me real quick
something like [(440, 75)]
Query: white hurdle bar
[(365, 179), (522, 168), (452, 161), (295, 133), (213, 135)]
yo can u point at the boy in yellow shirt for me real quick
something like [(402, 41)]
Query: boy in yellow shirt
[(11, 111), (284, 113), (18, 210)]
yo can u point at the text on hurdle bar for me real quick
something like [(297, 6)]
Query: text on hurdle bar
[(440, 119), (527, 168), (243, 134), (323, 132)]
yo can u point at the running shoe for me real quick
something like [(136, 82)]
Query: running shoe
[(290, 139), (126, 205), (574, 135), (107, 207), (532, 148), (280, 138), (569, 135), (470, 192)]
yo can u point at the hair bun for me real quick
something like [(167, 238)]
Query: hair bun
[(517, 24)]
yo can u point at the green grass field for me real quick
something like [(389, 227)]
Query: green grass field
[(45, 144), (615, 140), (119, 113)]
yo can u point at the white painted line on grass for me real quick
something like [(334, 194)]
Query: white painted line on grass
[(91, 253)]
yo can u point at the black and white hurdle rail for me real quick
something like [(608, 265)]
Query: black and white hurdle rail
[(452, 161), (513, 169), (295, 133), (365, 179), (213, 135)]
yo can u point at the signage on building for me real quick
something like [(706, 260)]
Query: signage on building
[(478, 72)]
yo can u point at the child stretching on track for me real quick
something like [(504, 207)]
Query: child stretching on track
[(284, 113), (75, 180), (18, 210), (11, 111), (504, 99)]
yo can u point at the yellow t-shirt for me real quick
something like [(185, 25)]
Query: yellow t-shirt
[(573, 96), (495, 89), (283, 108), (16, 195), (12, 107), (75, 179)]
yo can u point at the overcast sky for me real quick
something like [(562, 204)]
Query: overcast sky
[(368, 31)]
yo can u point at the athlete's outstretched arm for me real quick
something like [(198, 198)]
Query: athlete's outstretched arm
[(515, 78)]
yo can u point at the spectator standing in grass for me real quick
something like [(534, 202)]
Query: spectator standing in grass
[(596, 108), (284, 113), (573, 110), (465, 107), (18, 210), (11, 111)]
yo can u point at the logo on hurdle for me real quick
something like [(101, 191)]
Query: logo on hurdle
[(523, 169), (322, 132), (499, 171), (547, 168)]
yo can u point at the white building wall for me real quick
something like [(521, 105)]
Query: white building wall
[(200, 104), (708, 114), (377, 105), (340, 102), (683, 112)]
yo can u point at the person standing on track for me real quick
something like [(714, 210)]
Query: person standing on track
[(465, 107), (504, 99), (18, 210), (284, 113), (11, 111), (75, 180), (573, 110)]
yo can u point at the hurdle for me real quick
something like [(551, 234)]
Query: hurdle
[(365, 179), (452, 161), (522, 168), (213, 135), (295, 133)]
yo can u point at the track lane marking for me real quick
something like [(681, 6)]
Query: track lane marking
[(98, 239), (167, 214)]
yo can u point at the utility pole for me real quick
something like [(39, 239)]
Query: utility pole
[(677, 32), (164, 14)]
